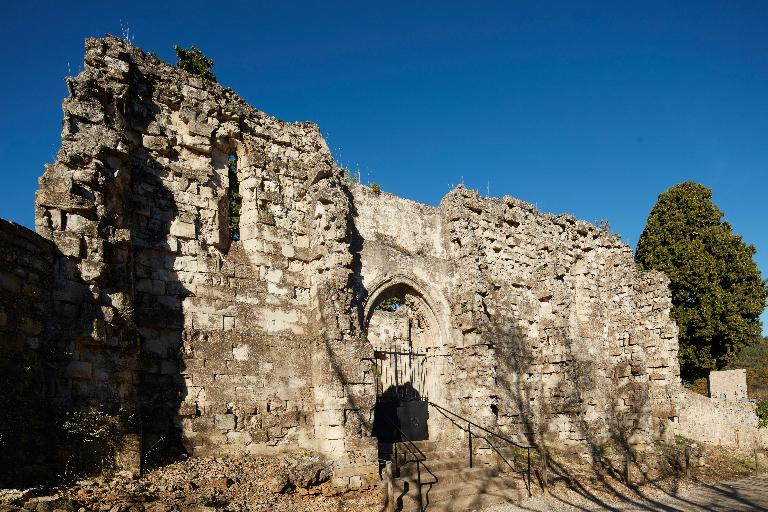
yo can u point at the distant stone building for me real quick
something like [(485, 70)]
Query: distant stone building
[(135, 296), (728, 385)]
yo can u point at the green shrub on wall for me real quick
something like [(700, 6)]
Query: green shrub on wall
[(762, 412), (193, 61), (91, 437)]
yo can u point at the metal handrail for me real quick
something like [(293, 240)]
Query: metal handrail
[(470, 424), (494, 434), (419, 463), (499, 453)]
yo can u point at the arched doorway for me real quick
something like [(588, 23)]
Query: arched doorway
[(407, 340)]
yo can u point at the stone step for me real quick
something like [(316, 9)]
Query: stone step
[(458, 495), (453, 476), (449, 464), (476, 502), (441, 455)]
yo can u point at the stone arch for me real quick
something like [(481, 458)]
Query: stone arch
[(417, 324), (437, 306)]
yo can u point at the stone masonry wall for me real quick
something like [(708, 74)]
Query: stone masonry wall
[(26, 422), (549, 331), (219, 346), (578, 342), (729, 423)]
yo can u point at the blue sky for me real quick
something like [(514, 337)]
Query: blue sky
[(590, 108)]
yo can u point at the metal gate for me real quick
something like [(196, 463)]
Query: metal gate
[(401, 401)]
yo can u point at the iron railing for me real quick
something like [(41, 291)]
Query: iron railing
[(470, 424), (418, 458)]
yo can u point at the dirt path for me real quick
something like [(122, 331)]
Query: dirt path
[(742, 495)]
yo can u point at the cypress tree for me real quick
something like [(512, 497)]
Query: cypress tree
[(718, 293)]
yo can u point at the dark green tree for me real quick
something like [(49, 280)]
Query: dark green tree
[(194, 61), (718, 293)]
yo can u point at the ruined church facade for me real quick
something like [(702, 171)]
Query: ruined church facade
[(537, 326)]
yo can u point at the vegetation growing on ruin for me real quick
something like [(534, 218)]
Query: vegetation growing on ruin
[(91, 436), (718, 293), (762, 413), (234, 199), (376, 188), (351, 178), (193, 61)]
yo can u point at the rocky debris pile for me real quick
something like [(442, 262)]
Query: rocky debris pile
[(298, 482)]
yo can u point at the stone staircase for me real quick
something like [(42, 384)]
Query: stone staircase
[(447, 481)]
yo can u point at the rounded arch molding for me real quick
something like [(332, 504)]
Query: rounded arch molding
[(433, 300)]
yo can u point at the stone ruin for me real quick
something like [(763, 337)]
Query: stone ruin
[(134, 296)]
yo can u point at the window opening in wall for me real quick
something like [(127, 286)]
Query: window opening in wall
[(391, 303), (235, 201)]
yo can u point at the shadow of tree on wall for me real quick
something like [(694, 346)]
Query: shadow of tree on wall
[(158, 291), (27, 421), (605, 449), (603, 453)]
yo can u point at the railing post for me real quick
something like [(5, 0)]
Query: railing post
[(627, 481), (418, 484), (529, 472), (469, 432), (397, 462), (544, 468)]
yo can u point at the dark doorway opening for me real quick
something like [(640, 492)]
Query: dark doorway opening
[(401, 412), (400, 415)]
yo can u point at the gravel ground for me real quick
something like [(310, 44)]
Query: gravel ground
[(742, 495), (254, 484), (299, 483)]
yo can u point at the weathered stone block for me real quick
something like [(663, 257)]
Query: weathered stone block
[(182, 229), (225, 421), (79, 370)]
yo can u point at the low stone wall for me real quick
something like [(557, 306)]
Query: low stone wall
[(724, 422), (26, 419)]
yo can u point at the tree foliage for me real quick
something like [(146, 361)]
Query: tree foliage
[(390, 304), (717, 291), (755, 360), (195, 62), (762, 412)]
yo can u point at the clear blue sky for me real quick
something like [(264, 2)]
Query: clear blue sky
[(590, 108)]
